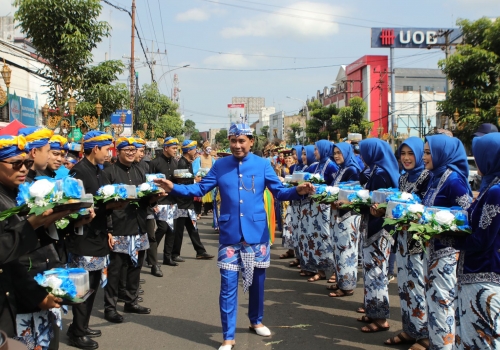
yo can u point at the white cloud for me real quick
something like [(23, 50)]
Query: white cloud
[(293, 24), (194, 14), (232, 61)]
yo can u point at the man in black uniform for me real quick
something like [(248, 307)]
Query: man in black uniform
[(128, 227), (37, 141), (58, 145), (186, 215), (165, 164)]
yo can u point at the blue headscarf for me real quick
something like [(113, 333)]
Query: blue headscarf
[(325, 150), (96, 138), (188, 145), (348, 154), (36, 136), (170, 141), (11, 146), (309, 154), (417, 146), (448, 153), (377, 152), (298, 151), (486, 149)]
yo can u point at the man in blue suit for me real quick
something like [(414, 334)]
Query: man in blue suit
[(244, 235)]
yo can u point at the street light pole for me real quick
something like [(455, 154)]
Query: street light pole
[(305, 106), (171, 70)]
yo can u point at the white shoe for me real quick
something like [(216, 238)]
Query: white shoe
[(262, 331), (226, 347)]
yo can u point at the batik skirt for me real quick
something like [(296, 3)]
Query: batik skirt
[(441, 295), (345, 236), (167, 213), (315, 243), (287, 235), (411, 287), (478, 325), (376, 251), (36, 330)]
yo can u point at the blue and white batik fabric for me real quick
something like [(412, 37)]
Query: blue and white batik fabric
[(345, 238), (131, 245), (91, 263), (411, 287), (478, 324), (287, 235), (167, 213), (35, 329), (244, 257), (186, 213), (376, 251)]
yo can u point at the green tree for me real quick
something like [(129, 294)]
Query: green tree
[(265, 131), (159, 112), (191, 132), (320, 125), (351, 118), (474, 71), (221, 139), (292, 135), (64, 34)]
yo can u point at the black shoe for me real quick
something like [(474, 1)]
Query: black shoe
[(204, 256), (82, 342), (113, 316), (140, 291), (156, 271), (92, 333), (136, 309), (142, 281), (178, 259), (139, 299), (170, 263)]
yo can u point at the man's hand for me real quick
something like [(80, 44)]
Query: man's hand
[(50, 302), (86, 220), (337, 204), (305, 189), (156, 197), (47, 218), (197, 179), (116, 205), (167, 185), (111, 241), (375, 211)]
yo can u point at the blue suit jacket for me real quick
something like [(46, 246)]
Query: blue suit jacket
[(242, 213)]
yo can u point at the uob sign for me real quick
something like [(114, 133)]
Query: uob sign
[(410, 38)]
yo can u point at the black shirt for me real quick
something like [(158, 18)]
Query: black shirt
[(127, 222), (166, 166), (185, 202), (94, 241)]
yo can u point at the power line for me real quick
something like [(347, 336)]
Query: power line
[(166, 53)]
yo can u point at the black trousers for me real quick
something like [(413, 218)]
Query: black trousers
[(116, 262), (193, 234), (162, 230), (152, 252), (82, 312), (197, 207)]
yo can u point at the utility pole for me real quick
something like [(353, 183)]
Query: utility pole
[(132, 66), (380, 86), (420, 118)]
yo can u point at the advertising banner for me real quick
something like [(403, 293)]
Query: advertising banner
[(236, 112), (14, 108), (413, 38), (28, 112), (115, 119)]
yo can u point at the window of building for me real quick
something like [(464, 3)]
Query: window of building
[(407, 88), (428, 88)]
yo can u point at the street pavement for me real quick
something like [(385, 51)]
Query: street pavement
[(185, 310)]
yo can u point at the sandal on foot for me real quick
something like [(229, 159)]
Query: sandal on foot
[(294, 263), (306, 273), (287, 255), (365, 319), (374, 327), (332, 287), (361, 310), (341, 293), (421, 344), (316, 277), (401, 338), (332, 279)]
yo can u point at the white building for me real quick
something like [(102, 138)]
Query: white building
[(264, 118), (277, 125)]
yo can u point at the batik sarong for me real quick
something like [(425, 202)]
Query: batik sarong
[(376, 251), (287, 234), (131, 245), (167, 213), (441, 295), (91, 263), (478, 325), (345, 238), (411, 288), (35, 329)]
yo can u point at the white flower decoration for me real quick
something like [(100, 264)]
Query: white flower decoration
[(53, 282), (332, 190), (363, 194), (145, 187), (416, 208), (108, 190), (316, 176), (444, 217), (150, 177), (41, 188), (406, 196)]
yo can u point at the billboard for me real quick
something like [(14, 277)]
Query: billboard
[(22, 109), (14, 108), (236, 112), (252, 104), (413, 38), (115, 119)]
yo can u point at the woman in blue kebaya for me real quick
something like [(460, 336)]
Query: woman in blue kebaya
[(325, 166), (409, 255), (297, 158), (378, 155), (445, 157), (345, 226), (478, 269)]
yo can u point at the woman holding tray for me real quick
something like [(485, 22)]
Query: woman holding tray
[(478, 268), (378, 155), (445, 157), (409, 255), (345, 226)]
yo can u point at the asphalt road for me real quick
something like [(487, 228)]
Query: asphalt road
[(185, 311)]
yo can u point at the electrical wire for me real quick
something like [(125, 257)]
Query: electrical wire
[(166, 53)]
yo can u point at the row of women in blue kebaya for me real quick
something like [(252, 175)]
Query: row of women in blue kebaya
[(449, 291)]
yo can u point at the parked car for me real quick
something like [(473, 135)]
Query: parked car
[(474, 178)]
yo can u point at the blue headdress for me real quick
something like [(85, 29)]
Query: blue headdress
[(11, 146), (96, 138), (348, 154), (239, 129), (36, 136), (309, 154), (123, 142), (325, 150), (188, 145), (298, 151), (170, 141), (417, 146), (377, 152), (486, 149), (139, 143), (58, 143)]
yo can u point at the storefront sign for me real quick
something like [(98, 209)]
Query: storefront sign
[(412, 38)]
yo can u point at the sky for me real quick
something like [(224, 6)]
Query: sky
[(265, 48)]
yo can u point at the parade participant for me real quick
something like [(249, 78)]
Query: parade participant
[(58, 145), (483, 129), (140, 145), (18, 290), (445, 157), (88, 248), (409, 253), (297, 159), (37, 145), (206, 161), (325, 167), (478, 269), (70, 161), (244, 237), (185, 215), (345, 226), (130, 239), (378, 155), (164, 164)]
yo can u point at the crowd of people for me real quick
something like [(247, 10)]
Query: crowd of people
[(446, 289)]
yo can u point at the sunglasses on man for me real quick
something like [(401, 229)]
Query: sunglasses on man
[(18, 164)]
